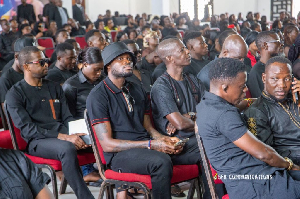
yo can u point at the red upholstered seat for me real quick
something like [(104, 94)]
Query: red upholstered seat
[(46, 42), (225, 196), (49, 52), (215, 176), (113, 34), (81, 41), (5, 140)]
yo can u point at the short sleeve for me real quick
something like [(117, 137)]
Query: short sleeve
[(163, 99), (71, 97), (97, 107), (231, 125)]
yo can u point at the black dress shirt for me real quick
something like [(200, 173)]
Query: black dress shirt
[(26, 12), (255, 83), (8, 66), (39, 112), (107, 103), (170, 96), (146, 82), (77, 89), (19, 176), (7, 80), (59, 76), (6, 41)]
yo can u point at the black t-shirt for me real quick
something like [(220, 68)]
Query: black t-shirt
[(8, 66), (203, 74), (107, 103), (255, 83), (169, 96), (146, 65), (146, 82), (7, 80), (39, 112), (59, 76), (197, 65), (219, 127), (158, 71), (19, 176), (77, 89)]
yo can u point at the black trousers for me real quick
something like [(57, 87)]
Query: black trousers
[(65, 152), (158, 165)]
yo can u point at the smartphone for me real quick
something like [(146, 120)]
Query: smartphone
[(182, 142), (295, 95)]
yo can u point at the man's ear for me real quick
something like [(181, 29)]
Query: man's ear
[(26, 67), (224, 53), (225, 87), (16, 56), (263, 77), (58, 58), (169, 58), (265, 46), (90, 44)]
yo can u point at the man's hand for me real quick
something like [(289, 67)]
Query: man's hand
[(171, 129), (75, 139), (166, 145)]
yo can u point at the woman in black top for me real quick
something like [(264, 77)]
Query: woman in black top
[(294, 57), (77, 89)]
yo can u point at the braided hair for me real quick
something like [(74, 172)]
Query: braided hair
[(294, 51)]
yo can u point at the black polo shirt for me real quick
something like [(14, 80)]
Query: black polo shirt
[(8, 65), (146, 65), (197, 65), (19, 176), (59, 76), (255, 83), (39, 112), (7, 80), (107, 103), (169, 96), (77, 89), (6, 41), (146, 82), (219, 125)]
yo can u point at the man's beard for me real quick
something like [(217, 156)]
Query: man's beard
[(274, 54), (121, 74), (278, 100)]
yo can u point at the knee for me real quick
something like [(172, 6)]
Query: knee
[(68, 149), (163, 164)]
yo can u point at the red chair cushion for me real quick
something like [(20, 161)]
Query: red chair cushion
[(46, 42), (5, 140), (81, 41), (180, 173), (49, 52), (21, 142), (225, 196), (86, 158), (113, 34), (99, 147), (215, 176)]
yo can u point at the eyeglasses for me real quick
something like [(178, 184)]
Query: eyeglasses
[(42, 62)]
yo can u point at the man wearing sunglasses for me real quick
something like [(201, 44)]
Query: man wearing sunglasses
[(39, 109), (119, 112), (268, 44)]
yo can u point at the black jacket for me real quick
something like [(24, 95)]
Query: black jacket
[(78, 15), (275, 125), (55, 16)]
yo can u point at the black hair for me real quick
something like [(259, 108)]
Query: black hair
[(120, 34), (90, 55), (25, 54), (36, 26), (178, 20), (263, 37), (173, 32), (225, 69), (254, 26), (294, 50), (245, 32), (279, 59), (106, 21), (132, 30), (169, 37), (224, 35), (65, 25), (275, 24), (251, 37), (89, 34), (128, 41), (58, 32), (22, 26), (190, 36), (70, 41), (230, 19), (87, 23), (61, 48), (145, 27), (223, 25), (287, 30)]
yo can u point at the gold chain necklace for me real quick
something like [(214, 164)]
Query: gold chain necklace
[(287, 111)]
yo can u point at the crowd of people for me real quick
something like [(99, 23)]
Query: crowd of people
[(165, 78)]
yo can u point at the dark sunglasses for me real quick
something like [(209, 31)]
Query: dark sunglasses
[(42, 62), (126, 91)]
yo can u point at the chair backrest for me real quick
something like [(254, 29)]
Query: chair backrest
[(113, 34), (18, 142), (207, 168), (181, 32), (49, 52), (98, 151), (81, 41), (46, 42), (3, 119)]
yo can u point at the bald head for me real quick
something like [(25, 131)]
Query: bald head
[(234, 47), (166, 47)]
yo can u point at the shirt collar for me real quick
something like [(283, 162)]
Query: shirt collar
[(110, 85), (81, 77), (214, 97), (289, 97)]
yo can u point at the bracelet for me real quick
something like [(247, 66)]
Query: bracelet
[(250, 101), (149, 144), (290, 162)]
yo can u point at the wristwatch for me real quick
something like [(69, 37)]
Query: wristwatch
[(192, 115), (289, 161)]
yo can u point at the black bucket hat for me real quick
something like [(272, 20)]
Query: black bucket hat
[(114, 50), (23, 42)]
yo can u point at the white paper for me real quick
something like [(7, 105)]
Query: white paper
[(79, 126)]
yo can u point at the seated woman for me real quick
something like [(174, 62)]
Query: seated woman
[(77, 88), (294, 57), (39, 29), (121, 36), (109, 25), (253, 51), (20, 178), (181, 23), (290, 33)]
